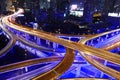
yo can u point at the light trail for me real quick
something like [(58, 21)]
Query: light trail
[(87, 52), (10, 44)]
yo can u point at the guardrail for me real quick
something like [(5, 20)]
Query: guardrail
[(100, 38)]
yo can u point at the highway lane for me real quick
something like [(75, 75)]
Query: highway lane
[(33, 73), (80, 47), (10, 44), (108, 42), (31, 44), (60, 68), (111, 46), (99, 65), (98, 35), (86, 49), (10, 67)]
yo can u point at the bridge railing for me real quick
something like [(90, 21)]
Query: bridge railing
[(100, 38)]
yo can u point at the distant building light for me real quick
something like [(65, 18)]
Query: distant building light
[(76, 13), (97, 14), (64, 14), (74, 7), (35, 26), (48, 0), (20, 15), (114, 14)]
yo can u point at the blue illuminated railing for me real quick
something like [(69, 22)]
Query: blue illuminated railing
[(96, 40), (72, 38)]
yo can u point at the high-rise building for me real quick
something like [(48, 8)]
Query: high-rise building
[(88, 11)]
